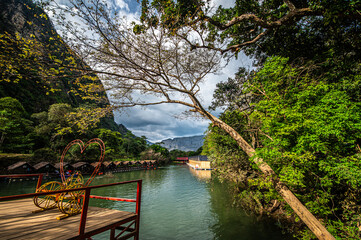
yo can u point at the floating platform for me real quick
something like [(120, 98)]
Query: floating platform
[(196, 167), (18, 222)]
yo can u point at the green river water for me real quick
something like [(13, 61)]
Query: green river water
[(177, 204)]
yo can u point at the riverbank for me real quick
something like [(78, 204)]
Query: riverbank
[(177, 205)]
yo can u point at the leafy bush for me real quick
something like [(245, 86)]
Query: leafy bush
[(306, 124), (46, 155)]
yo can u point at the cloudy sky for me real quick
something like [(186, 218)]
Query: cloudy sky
[(165, 121)]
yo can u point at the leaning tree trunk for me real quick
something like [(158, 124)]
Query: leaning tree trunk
[(306, 216)]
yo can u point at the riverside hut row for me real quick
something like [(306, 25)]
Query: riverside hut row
[(24, 167)]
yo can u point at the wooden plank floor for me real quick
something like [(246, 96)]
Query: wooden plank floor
[(18, 222)]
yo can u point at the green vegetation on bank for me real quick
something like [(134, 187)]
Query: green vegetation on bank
[(299, 108), (297, 112), (46, 134), (306, 123)]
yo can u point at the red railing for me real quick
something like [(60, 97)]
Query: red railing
[(39, 175), (86, 197)]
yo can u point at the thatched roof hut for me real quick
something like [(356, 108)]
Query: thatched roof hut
[(83, 167), (118, 164), (44, 167), (134, 163), (20, 167), (101, 167), (143, 163), (109, 165), (66, 166)]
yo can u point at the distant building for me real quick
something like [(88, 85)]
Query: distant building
[(66, 166), (200, 162), (44, 167), (83, 167), (109, 166), (20, 167)]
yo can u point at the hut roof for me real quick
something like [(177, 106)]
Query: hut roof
[(57, 165), (41, 165), (94, 164), (18, 164), (142, 162), (117, 163), (126, 162), (79, 164), (107, 163)]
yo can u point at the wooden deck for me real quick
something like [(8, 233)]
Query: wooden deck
[(18, 222)]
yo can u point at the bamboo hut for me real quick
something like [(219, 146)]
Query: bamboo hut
[(143, 163), (109, 166), (20, 167), (118, 164), (126, 165), (83, 167), (66, 166), (44, 167), (101, 168)]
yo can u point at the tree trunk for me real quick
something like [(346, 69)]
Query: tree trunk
[(306, 216)]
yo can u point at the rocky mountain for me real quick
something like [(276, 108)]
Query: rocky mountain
[(183, 143), (24, 25)]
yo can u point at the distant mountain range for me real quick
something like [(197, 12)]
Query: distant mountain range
[(183, 143)]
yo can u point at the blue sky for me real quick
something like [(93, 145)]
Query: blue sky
[(166, 121)]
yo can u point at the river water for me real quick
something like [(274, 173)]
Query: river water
[(177, 203)]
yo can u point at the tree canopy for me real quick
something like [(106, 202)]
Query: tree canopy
[(292, 29), (298, 112)]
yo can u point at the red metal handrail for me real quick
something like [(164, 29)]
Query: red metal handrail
[(86, 197), (39, 175)]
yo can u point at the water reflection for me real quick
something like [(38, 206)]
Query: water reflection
[(233, 223), (177, 204), (201, 174)]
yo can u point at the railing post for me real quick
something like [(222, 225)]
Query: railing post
[(137, 208), (84, 212), (40, 179)]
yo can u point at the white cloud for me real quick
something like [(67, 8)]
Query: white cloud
[(122, 5), (158, 122), (223, 3)]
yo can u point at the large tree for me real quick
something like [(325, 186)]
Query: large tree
[(148, 64), (290, 27)]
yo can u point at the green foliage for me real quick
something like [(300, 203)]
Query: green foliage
[(12, 106), (155, 152), (174, 13), (229, 161), (309, 131), (303, 118), (14, 127), (45, 154), (113, 142), (159, 149)]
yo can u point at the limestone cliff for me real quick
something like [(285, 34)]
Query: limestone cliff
[(183, 143), (23, 18)]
